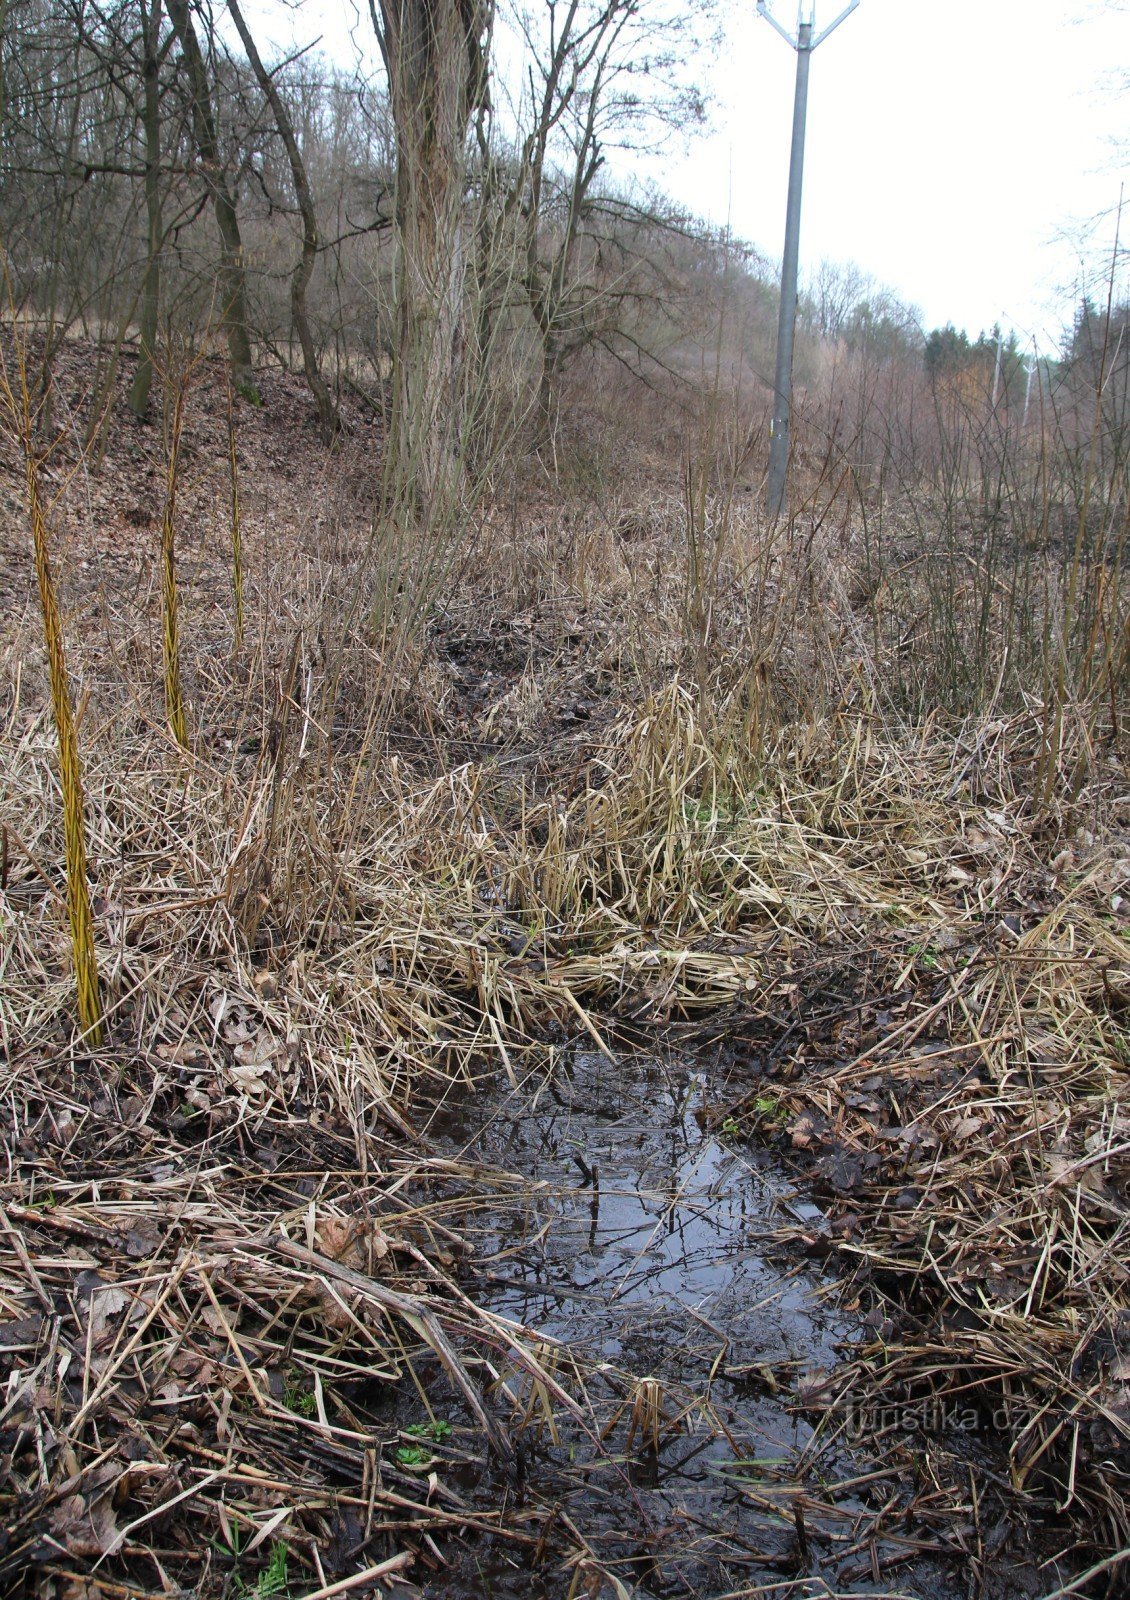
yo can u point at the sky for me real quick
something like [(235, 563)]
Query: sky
[(956, 152), (953, 150)]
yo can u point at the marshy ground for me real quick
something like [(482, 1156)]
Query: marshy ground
[(599, 1096)]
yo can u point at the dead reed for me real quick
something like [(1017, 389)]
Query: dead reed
[(175, 385), (236, 520)]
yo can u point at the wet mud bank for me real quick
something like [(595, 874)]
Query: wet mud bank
[(678, 1288)]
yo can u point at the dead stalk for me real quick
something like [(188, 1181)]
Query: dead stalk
[(176, 394), (236, 518)]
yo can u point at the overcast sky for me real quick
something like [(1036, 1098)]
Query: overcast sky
[(955, 151), (951, 147)]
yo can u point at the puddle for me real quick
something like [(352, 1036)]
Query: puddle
[(646, 1235), (644, 1244)]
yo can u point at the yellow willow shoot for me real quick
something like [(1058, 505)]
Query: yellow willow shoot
[(20, 415)]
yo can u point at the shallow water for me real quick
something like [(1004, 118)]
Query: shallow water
[(656, 1231), (644, 1243)]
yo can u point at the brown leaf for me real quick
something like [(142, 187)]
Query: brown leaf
[(80, 1589), (354, 1242), (85, 1524), (801, 1132), (23, 1330), (333, 1236), (106, 1304), (257, 1051), (143, 1238), (333, 1313)]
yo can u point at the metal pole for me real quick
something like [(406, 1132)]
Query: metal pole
[(997, 367), (804, 44), (1028, 386), (786, 323)]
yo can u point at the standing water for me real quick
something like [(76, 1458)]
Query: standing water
[(650, 1255)]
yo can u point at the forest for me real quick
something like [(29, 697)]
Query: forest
[(562, 1033)]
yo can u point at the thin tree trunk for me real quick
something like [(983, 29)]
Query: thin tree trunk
[(328, 419), (151, 285), (233, 278), (550, 287), (3, 78)]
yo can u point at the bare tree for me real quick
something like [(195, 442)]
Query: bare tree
[(64, 143), (836, 291), (233, 284), (304, 270), (151, 56), (600, 75)]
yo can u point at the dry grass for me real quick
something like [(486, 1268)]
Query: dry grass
[(611, 798)]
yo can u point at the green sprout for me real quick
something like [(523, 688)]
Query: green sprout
[(299, 1400), (273, 1578), (436, 1429)]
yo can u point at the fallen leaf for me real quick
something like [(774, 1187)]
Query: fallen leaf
[(143, 1238), (84, 1524), (250, 1078), (256, 1052), (106, 1303), (802, 1132), (354, 1242)]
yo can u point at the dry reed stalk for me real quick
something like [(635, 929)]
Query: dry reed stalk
[(170, 625), (236, 518), (239, 1309)]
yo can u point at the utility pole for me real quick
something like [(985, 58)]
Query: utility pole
[(1032, 360), (804, 43)]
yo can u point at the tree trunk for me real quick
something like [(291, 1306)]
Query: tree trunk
[(3, 75), (493, 270), (151, 284), (436, 71), (328, 419), (233, 285)]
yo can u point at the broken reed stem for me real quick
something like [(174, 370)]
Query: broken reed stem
[(21, 417), (170, 629), (236, 522)]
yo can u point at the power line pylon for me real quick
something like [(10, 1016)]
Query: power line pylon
[(804, 42)]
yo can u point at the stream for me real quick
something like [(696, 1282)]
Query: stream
[(654, 1250)]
